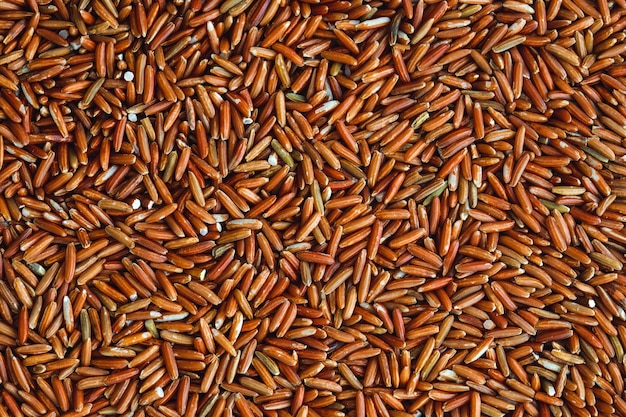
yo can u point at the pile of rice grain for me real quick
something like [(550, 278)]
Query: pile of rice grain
[(312, 208)]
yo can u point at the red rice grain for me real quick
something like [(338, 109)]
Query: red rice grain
[(312, 208)]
